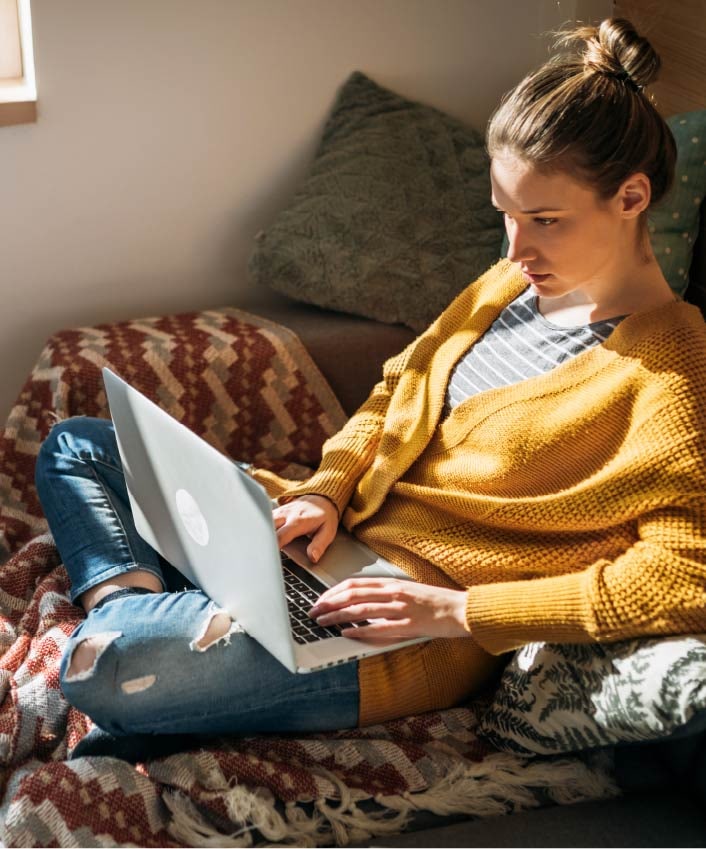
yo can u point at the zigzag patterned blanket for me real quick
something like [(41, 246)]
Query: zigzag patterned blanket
[(250, 389)]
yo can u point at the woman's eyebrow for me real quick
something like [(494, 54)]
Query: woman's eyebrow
[(536, 211), (543, 209)]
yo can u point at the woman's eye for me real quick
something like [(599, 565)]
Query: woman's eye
[(545, 222)]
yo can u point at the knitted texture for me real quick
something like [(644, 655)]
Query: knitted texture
[(572, 505)]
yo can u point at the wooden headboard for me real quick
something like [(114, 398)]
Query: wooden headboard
[(677, 31)]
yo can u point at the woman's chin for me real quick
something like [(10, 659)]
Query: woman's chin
[(543, 286)]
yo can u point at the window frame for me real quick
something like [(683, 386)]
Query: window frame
[(18, 95)]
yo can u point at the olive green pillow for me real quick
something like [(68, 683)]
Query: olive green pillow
[(394, 219)]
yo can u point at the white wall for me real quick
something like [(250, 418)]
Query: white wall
[(171, 131)]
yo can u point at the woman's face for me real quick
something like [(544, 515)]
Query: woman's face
[(562, 235)]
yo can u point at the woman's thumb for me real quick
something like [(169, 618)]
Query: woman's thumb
[(320, 541)]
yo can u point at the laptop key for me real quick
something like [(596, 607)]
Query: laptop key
[(302, 592)]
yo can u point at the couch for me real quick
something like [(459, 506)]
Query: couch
[(268, 381)]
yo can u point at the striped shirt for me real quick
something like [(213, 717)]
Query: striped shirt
[(520, 343)]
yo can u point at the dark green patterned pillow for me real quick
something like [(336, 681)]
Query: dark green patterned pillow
[(564, 698), (395, 217), (674, 224)]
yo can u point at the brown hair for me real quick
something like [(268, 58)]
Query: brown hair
[(585, 112)]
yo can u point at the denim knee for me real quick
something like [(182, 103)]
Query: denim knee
[(48, 451), (174, 663), (87, 675), (76, 437)]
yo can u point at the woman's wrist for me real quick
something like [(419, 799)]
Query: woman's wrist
[(314, 495), (460, 617)]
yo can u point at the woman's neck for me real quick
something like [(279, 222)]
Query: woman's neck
[(645, 288)]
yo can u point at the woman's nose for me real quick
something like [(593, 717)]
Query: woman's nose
[(519, 246)]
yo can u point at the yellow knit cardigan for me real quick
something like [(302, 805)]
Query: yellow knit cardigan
[(571, 505)]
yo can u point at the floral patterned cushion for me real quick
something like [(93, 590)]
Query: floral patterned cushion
[(564, 698)]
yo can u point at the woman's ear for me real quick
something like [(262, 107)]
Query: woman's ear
[(634, 195)]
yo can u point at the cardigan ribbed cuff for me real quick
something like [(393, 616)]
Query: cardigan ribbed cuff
[(503, 617), (331, 483)]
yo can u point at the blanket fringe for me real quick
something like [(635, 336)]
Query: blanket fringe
[(498, 785), (256, 807), (190, 828), (322, 824)]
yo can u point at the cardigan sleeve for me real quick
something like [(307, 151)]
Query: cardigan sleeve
[(348, 453), (657, 586)]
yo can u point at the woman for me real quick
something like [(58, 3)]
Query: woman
[(535, 460)]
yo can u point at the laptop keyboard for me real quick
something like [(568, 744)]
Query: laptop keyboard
[(302, 590)]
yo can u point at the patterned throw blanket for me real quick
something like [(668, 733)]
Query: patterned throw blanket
[(251, 390)]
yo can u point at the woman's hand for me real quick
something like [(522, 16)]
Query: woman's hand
[(393, 609), (314, 516)]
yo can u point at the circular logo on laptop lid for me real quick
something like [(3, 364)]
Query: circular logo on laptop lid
[(192, 517)]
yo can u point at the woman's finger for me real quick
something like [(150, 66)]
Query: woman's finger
[(286, 532), (294, 527), (309, 515), (353, 584), (356, 591), (393, 607), (385, 630), (320, 540), (360, 612)]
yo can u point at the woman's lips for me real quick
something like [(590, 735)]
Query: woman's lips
[(534, 278)]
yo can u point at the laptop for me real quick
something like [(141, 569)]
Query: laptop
[(213, 522)]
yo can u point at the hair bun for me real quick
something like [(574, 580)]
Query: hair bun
[(616, 49), (583, 113)]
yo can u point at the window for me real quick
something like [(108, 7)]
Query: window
[(18, 92)]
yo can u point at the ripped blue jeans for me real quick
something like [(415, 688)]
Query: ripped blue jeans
[(153, 666)]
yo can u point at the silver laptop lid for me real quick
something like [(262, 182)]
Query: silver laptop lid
[(206, 517)]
